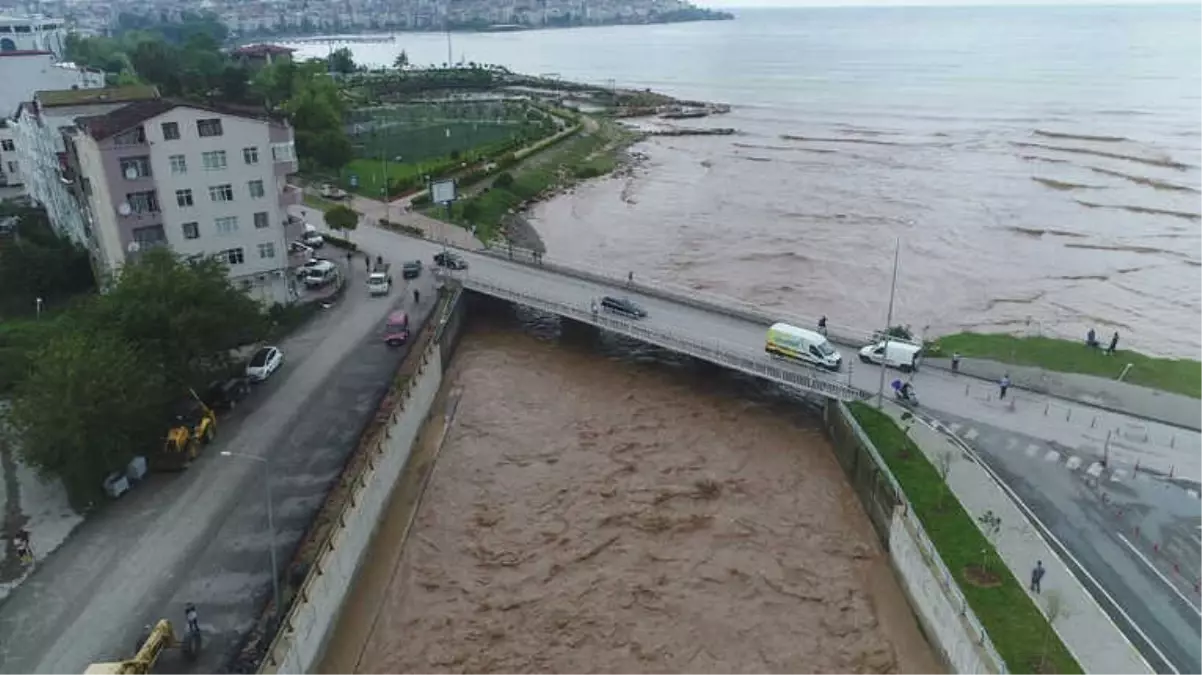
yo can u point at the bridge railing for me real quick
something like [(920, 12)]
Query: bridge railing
[(714, 351), (741, 309)]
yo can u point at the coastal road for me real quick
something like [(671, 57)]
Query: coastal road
[(201, 535), (1077, 430), (1136, 536)]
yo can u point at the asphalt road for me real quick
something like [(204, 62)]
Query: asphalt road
[(1137, 536), (201, 535), (1077, 431)]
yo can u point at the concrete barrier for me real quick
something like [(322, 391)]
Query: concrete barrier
[(942, 610), (301, 641)]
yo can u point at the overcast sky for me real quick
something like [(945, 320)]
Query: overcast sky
[(719, 4)]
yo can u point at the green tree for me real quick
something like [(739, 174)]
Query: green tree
[(186, 316), (342, 218), (402, 61), (341, 60), (93, 401)]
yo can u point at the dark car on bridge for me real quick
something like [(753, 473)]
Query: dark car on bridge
[(411, 269), (450, 260), (623, 306)]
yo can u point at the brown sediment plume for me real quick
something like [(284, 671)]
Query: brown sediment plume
[(1151, 161), (1142, 209), (1143, 180), (1080, 137)]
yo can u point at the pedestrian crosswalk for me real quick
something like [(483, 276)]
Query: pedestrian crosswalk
[(1078, 459)]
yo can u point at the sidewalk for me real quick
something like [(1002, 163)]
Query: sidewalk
[(1121, 397), (1089, 634)]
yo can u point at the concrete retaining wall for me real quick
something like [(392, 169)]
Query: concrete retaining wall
[(947, 620), (302, 639)]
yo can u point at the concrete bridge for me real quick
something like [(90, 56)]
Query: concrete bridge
[(724, 332)]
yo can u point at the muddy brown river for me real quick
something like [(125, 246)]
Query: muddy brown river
[(595, 514)]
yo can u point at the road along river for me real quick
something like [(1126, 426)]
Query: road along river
[(594, 508)]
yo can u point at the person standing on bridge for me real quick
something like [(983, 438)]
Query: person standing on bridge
[(822, 325), (1037, 576), (955, 362), (629, 278), (1003, 385), (1114, 343), (417, 297)]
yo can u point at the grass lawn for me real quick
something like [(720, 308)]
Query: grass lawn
[(1181, 376), (1018, 629), (583, 155)]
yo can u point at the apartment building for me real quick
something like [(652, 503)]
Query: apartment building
[(32, 33), (203, 180), (40, 153), (24, 72), (10, 167)]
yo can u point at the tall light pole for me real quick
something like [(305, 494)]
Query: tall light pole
[(880, 392), (275, 571)]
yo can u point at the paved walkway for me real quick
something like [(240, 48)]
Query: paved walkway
[(1161, 406), (1085, 629)]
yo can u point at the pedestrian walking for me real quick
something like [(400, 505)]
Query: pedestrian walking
[(417, 297), (192, 618), (24, 550), (1003, 385), (822, 325), (366, 261), (1114, 343), (1037, 576), (955, 362), (629, 278)]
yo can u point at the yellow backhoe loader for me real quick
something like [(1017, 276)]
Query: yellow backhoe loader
[(161, 638), (193, 425)]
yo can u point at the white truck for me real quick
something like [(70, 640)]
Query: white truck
[(379, 280)]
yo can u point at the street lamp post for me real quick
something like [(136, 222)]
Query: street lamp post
[(275, 572), (880, 392)]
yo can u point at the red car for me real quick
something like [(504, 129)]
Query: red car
[(396, 330)]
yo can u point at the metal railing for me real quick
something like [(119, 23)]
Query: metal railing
[(713, 351)]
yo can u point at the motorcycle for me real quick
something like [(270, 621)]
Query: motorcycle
[(904, 393)]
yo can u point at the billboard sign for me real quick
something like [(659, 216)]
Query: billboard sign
[(442, 192)]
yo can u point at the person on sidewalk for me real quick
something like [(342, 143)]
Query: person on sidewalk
[(417, 297), (822, 325), (1003, 385), (1091, 339), (1037, 576), (955, 362), (1114, 343)]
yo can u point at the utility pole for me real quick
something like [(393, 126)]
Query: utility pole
[(880, 392)]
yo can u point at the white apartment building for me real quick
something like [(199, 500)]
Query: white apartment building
[(10, 166), (32, 33), (24, 72), (38, 140), (206, 181)]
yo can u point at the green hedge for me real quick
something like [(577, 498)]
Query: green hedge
[(334, 240), (1016, 626)]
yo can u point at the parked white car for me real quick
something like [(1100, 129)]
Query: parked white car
[(264, 362), (893, 353)]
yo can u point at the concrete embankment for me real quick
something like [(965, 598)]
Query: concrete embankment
[(950, 624), (306, 629)]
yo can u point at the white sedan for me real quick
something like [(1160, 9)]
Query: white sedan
[(265, 362)]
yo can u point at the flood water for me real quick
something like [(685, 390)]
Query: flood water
[(594, 513), (1039, 164)]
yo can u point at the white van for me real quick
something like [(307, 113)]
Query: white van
[(894, 353), (803, 345)]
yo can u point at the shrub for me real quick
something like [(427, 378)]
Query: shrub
[(347, 244)]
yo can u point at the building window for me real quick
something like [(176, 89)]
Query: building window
[(183, 198), (170, 131), (178, 164), (250, 155), (191, 230), (135, 136), (231, 256), (143, 202), (227, 225), (8, 146), (282, 152), (261, 220), (134, 168), (267, 250), (213, 161), (148, 237), (256, 189), (208, 128), (221, 193)]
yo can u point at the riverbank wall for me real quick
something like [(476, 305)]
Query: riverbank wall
[(935, 598), (304, 632)]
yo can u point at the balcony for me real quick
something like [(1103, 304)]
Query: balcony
[(290, 196), (283, 157)]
